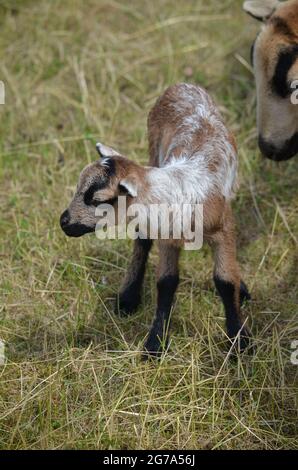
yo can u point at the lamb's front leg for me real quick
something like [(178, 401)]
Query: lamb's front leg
[(129, 296), (168, 279)]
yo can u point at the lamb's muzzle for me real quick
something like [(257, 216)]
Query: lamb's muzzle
[(75, 229)]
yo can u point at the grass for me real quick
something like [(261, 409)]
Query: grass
[(75, 72)]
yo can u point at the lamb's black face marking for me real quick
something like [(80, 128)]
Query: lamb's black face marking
[(98, 185), (89, 194), (279, 83)]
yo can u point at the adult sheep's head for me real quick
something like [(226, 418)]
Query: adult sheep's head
[(275, 61)]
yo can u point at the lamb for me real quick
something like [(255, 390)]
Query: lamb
[(193, 159), (275, 60)]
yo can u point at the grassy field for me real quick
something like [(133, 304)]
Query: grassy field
[(80, 71)]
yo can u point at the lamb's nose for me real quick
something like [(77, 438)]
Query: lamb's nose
[(64, 219)]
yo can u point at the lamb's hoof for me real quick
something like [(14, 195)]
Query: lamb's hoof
[(150, 356), (154, 348), (126, 304), (244, 293), (243, 343)]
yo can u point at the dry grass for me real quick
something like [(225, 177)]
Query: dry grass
[(76, 72)]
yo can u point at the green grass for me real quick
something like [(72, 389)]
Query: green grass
[(76, 72)]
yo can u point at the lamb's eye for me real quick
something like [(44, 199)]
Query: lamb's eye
[(89, 194), (95, 202), (110, 202), (89, 201)]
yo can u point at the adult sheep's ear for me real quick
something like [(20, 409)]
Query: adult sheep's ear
[(260, 9), (105, 151)]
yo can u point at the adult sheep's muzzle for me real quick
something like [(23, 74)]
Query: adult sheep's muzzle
[(284, 152)]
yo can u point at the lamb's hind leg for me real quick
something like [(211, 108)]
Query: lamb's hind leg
[(129, 296), (244, 293), (228, 284), (168, 279)]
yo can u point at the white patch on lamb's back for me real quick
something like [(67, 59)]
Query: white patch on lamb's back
[(188, 177), (180, 181)]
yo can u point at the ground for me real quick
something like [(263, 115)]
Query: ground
[(80, 71)]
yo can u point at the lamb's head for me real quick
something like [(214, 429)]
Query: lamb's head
[(100, 182), (275, 62)]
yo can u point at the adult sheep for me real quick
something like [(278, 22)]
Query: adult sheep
[(275, 61)]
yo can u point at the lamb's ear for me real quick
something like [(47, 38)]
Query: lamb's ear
[(129, 186), (105, 151), (260, 9)]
